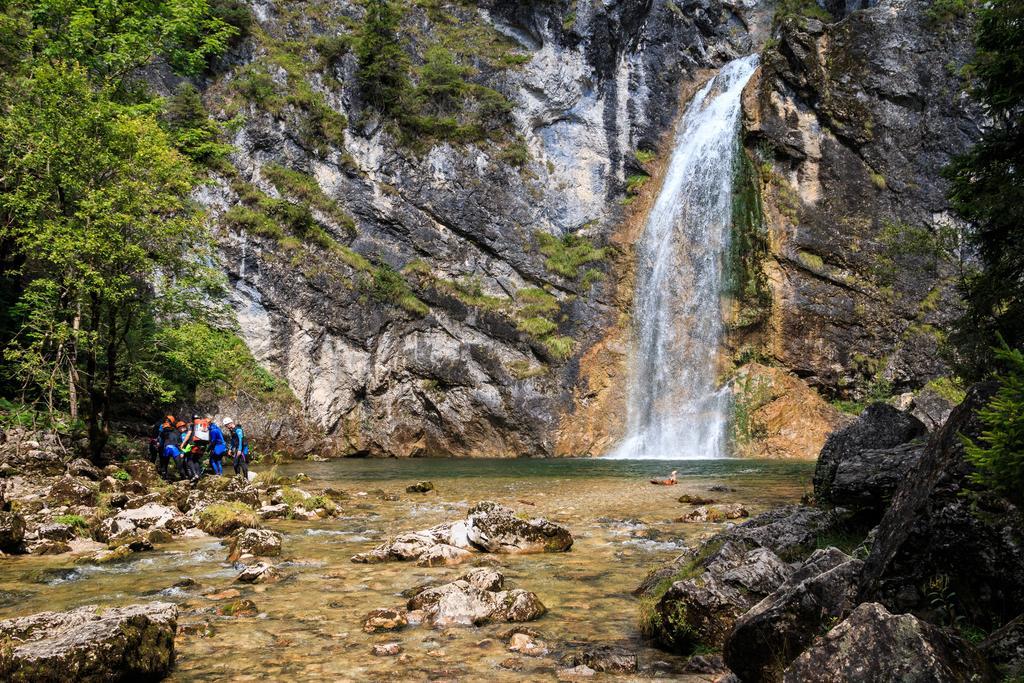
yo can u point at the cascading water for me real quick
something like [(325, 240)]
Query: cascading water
[(675, 409)]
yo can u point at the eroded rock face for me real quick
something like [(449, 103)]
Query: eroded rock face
[(122, 644), (773, 632), (475, 599), (874, 645)]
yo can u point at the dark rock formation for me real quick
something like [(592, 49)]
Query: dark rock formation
[(1004, 649), (603, 659), (12, 531), (789, 532), (772, 633), (123, 644), (863, 448), (940, 538), (874, 645)]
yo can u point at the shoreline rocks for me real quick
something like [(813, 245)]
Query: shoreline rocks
[(120, 644)]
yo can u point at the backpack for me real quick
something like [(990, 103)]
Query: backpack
[(201, 430)]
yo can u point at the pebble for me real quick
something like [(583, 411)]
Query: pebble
[(387, 650)]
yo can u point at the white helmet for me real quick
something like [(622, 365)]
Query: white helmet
[(227, 421)]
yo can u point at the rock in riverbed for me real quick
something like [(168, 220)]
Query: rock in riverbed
[(475, 599), (255, 543), (489, 527), (420, 487), (122, 644), (715, 513)]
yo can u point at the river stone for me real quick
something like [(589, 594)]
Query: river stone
[(790, 531), (874, 645), (525, 644), (48, 547), (258, 573), (384, 619), (768, 636), (279, 511), (879, 427), (411, 546), (123, 644), (12, 531), (131, 521), (73, 491), (386, 650), (56, 531), (238, 608), (495, 528), (142, 471), (420, 487), (715, 513), (442, 555), (476, 599), (604, 659), (255, 542)]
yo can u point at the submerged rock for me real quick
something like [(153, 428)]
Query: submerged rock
[(476, 599), (258, 573), (874, 645), (385, 619), (420, 487), (122, 644), (774, 631), (603, 659), (386, 650)]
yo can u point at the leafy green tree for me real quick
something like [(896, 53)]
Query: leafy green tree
[(383, 65), (988, 189), (999, 457), (94, 197)]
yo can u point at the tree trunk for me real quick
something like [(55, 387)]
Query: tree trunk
[(73, 364)]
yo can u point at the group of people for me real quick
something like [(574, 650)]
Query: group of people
[(187, 443)]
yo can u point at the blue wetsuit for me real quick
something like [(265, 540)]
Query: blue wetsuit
[(217, 449)]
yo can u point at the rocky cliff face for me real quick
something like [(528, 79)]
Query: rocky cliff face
[(429, 296)]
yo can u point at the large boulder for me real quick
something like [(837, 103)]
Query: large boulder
[(475, 599), (133, 520), (943, 536), (80, 467), (411, 546), (12, 532), (123, 644), (879, 427), (496, 529), (790, 532), (1004, 648), (701, 606), (867, 480), (768, 636), (875, 646)]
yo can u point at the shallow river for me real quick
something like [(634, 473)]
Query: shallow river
[(309, 623)]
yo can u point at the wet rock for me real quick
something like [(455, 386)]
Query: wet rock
[(133, 521), (258, 573), (80, 467), (156, 536), (123, 644), (476, 599), (526, 645), (874, 645), (420, 487), (604, 659), (110, 555), (384, 619), (721, 488), (691, 499), (495, 528), (73, 491), (255, 542), (576, 673), (715, 513), (879, 427), (135, 543), (443, 555), (701, 608), (279, 511), (238, 608), (769, 635), (12, 531), (386, 650)]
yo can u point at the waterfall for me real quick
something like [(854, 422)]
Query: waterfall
[(675, 409)]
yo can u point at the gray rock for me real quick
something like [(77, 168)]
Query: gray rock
[(122, 644), (420, 487), (604, 659), (879, 427), (874, 645), (700, 609), (1004, 648), (80, 467), (476, 599), (773, 632), (73, 491), (789, 531), (715, 513), (258, 573), (279, 511), (868, 479), (496, 529), (385, 619), (931, 408), (55, 531)]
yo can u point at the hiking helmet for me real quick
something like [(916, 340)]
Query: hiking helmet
[(227, 421), (180, 424)]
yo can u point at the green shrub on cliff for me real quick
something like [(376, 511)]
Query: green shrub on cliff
[(999, 454)]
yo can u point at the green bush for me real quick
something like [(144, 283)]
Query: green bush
[(121, 475), (999, 454), (567, 255)]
